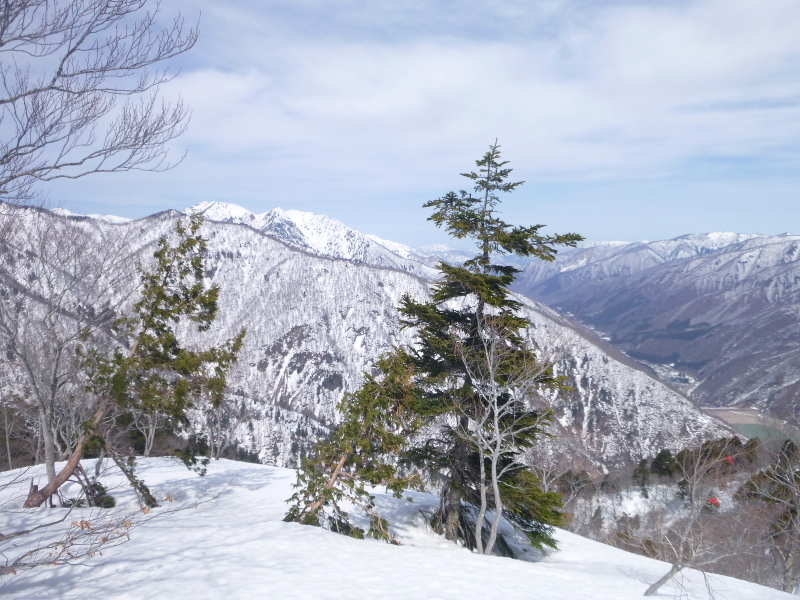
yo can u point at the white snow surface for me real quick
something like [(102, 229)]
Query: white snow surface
[(234, 544), (107, 218), (321, 235)]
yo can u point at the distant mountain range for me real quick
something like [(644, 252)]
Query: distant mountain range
[(319, 300), (322, 236), (716, 314)]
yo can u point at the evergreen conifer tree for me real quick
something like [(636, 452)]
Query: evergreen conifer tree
[(151, 369), (641, 477), (452, 325), (664, 464), (377, 422)]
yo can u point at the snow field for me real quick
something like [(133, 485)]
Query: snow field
[(235, 545)]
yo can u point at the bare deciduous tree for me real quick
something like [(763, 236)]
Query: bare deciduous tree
[(506, 379), (703, 536), (14, 426), (60, 281), (65, 65), (777, 489), (40, 539), (222, 421)]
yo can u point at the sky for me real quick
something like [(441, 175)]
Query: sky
[(628, 120)]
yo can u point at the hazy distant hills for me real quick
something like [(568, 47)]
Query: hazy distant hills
[(717, 313)]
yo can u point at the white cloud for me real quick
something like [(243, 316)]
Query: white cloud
[(389, 98), (612, 95)]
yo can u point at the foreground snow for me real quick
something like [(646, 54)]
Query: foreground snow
[(235, 545)]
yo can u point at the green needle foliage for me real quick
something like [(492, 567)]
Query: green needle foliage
[(641, 478), (152, 370), (377, 422), (530, 509), (469, 307), (664, 464)]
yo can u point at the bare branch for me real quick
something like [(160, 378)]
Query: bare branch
[(64, 65)]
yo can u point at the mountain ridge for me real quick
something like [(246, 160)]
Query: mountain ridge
[(316, 323), (722, 321)]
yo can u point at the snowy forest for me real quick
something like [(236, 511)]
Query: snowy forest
[(260, 395)]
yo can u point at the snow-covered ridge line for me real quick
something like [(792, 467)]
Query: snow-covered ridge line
[(107, 218), (327, 236), (716, 313), (316, 323), (321, 235)]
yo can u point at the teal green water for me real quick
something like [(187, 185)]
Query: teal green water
[(760, 431)]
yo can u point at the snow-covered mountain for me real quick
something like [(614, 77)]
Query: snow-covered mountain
[(614, 259), (716, 312), (320, 235), (222, 536), (108, 218), (316, 323)]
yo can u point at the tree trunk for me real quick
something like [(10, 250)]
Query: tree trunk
[(498, 507), (672, 572), (482, 511), (449, 515), (37, 497), (38, 452), (451, 509), (8, 437), (48, 442), (143, 493), (150, 430), (98, 466), (789, 576), (314, 508)]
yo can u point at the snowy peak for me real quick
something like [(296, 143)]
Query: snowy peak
[(320, 235), (223, 212), (107, 218)]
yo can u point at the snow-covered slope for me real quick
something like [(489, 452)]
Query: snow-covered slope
[(321, 235), (614, 259), (235, 545), (615, 410), (108, 218), (315, 324), (718, 312)]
